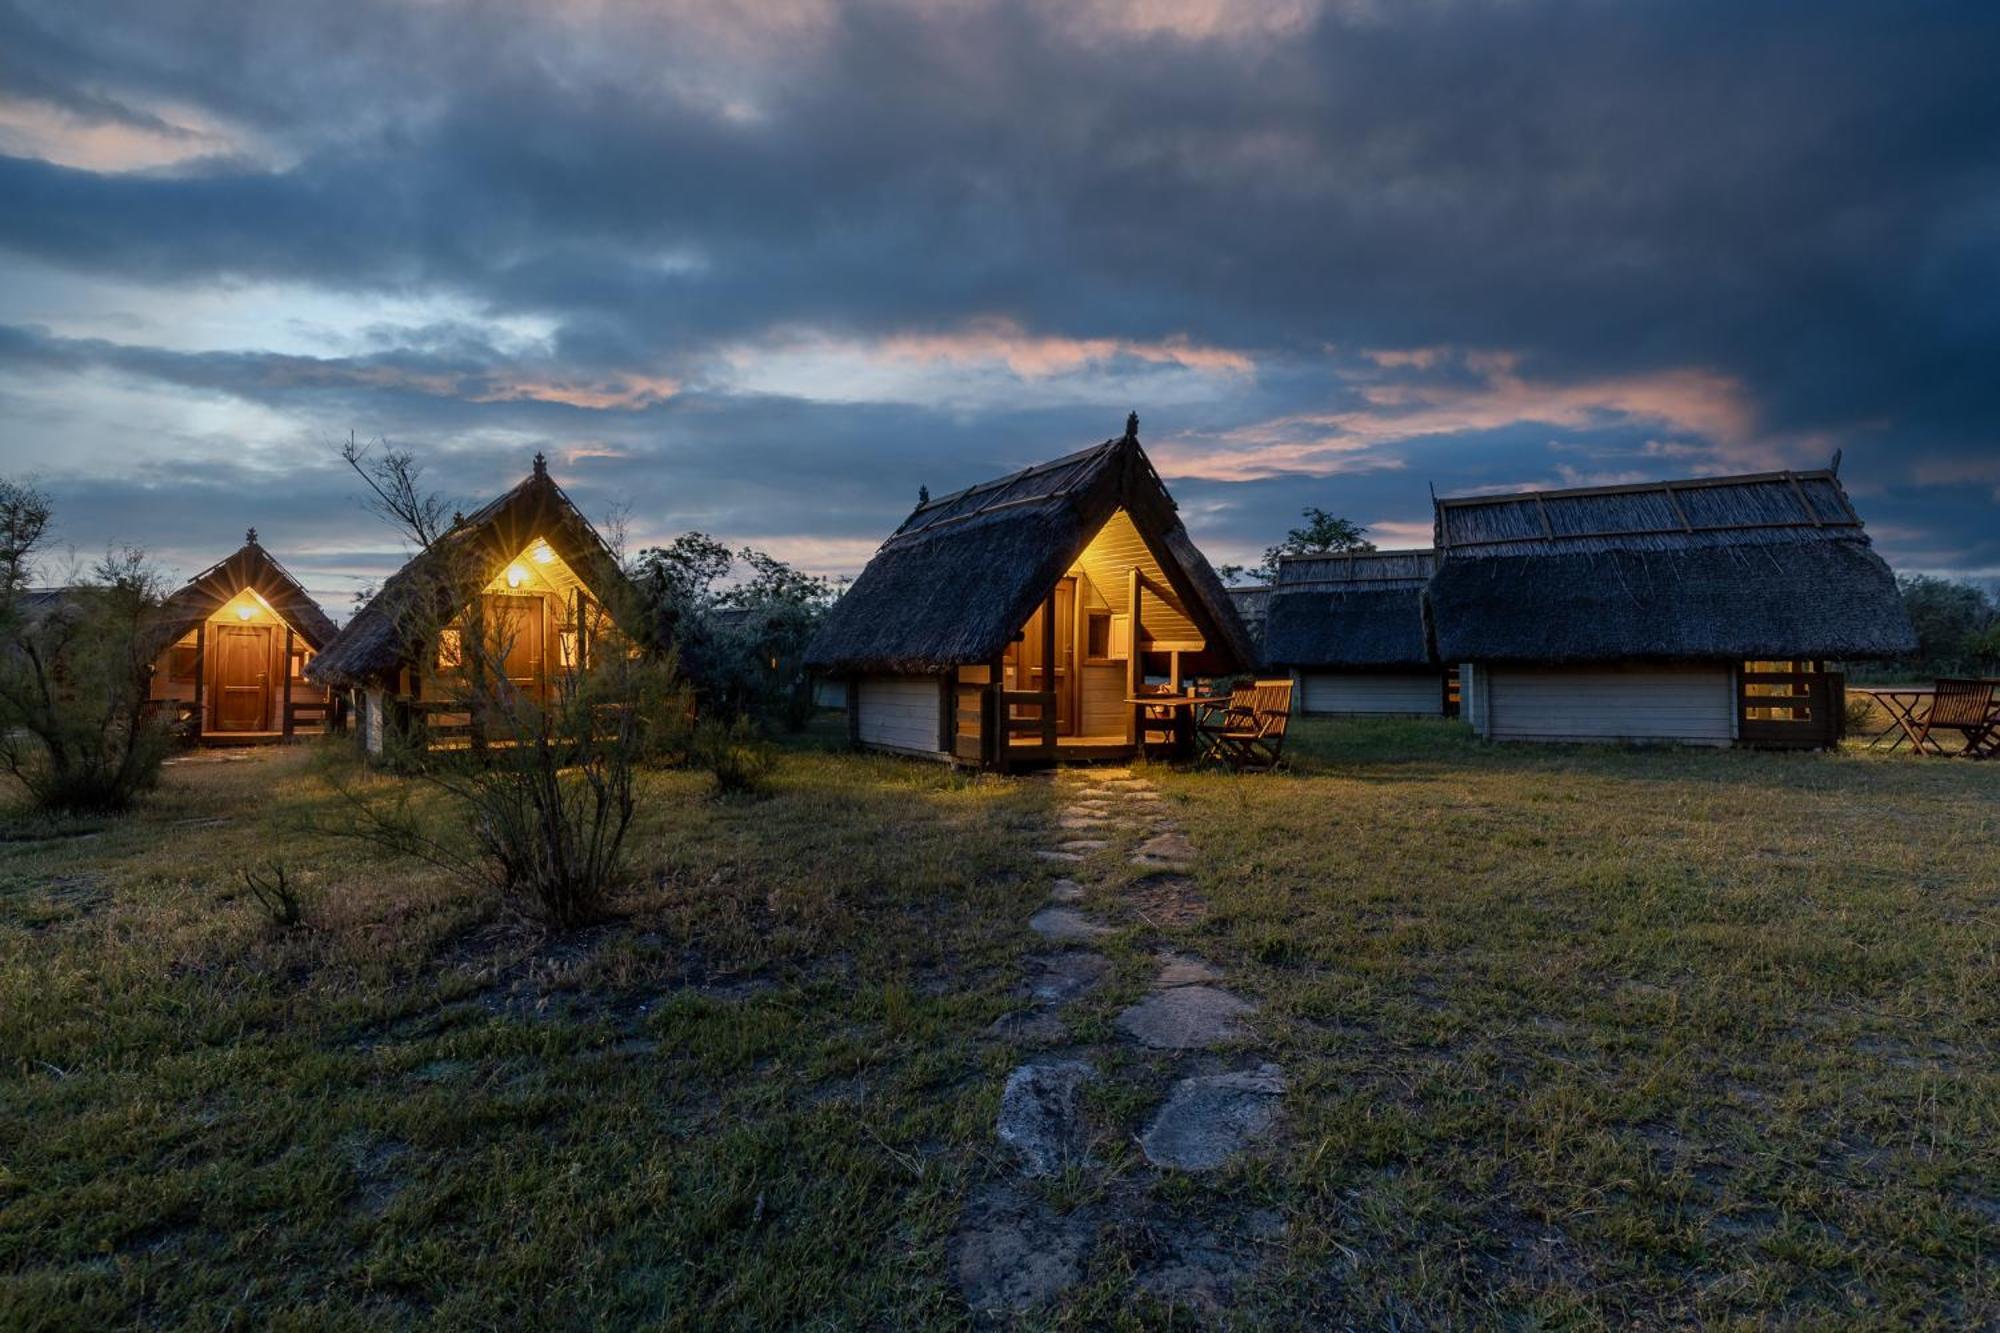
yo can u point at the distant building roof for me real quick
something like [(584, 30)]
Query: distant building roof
[(1359, 609), (1771, 565)]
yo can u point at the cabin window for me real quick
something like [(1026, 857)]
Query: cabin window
[(566, 645), (451, 650), (182, 661), (1097, 636), (300, 656)]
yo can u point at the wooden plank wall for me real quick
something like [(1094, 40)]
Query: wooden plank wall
[(1694, 705), (897, 712)]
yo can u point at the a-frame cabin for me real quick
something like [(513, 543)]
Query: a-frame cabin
[(1014, 622), (238, 639), (535, 565)]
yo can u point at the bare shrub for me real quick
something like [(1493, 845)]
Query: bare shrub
[(275, 893)]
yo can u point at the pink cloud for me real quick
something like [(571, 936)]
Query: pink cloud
[(1714, 408), (1039, 356)]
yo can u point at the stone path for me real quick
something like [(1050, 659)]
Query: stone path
[(1014, 1251)]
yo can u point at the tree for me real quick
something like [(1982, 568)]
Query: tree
[(542, 799), (739, 643), (1953, 620), (75, 669), (1323, 534)]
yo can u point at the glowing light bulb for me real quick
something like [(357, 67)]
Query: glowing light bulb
[(516, 576), (244, 611)]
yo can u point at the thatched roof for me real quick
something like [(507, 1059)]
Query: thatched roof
[(955, 583), (1362, 609), (1771, 566), (1253, 603), (385, 635), (256, 569)]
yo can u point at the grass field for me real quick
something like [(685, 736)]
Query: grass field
[(1572, 1037)]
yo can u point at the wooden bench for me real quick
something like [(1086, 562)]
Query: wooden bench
[(1247, 731), (1967, 707)]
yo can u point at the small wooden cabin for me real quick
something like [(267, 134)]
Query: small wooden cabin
[(1351, 629), (1009, 623), (538, 568), (1709, 611), (239, 638)]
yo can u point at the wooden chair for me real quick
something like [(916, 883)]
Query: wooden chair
[(1966, 707), (1249, 730)]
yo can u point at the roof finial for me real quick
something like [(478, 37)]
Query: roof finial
[(250, 536), (541, 464), (923, 496), (1132, 427)]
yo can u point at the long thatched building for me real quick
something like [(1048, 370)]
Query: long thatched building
[(1012, 622), (547, 587), (236, 642), (1702, 611), (1351, 629)]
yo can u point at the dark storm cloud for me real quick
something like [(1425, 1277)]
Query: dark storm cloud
[(1798, 203)]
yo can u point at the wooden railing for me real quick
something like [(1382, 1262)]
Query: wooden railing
[(1810, 708)]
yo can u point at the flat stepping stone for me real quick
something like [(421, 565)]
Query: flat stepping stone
[(1164, 849), (1060, 858), (1058, 978), (1030, 1027), (1065, 891), (1179, 969), (1209, 1118), (1085, 846), (1039, 1116), (1187, 1018), (1067, 925)]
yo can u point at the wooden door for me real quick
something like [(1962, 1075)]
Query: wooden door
[(242, 677), (516, 626)]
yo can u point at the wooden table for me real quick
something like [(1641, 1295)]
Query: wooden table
[(1905, 706), (1180, 710)]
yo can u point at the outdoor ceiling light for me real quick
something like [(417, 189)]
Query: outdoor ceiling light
[(244, 610), (516, 576)]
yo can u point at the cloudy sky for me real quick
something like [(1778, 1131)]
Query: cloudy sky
[(763, 270)]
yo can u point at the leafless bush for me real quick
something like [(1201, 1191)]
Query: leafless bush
[(273, 890), (540, 796)]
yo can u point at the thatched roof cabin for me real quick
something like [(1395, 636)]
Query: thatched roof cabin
[(1697, 575), (1074, 576), (384, 637), (234, 643), (537, 566)]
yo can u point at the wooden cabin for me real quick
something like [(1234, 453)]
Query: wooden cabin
[(544, 580), (1710, 611), (1011, 622), (239, 638), (1351, 630)]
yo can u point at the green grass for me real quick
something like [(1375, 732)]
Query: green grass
[(1574, 1036)]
